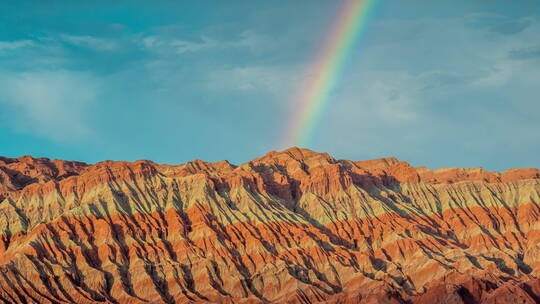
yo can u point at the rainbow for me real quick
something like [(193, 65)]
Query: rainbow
[(314, 96)]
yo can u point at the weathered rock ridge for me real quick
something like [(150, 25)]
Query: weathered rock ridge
[(290, 227)]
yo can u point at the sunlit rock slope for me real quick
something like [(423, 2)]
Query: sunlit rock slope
[(290, 227)]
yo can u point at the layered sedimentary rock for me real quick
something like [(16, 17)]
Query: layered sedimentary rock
[(290, 227)]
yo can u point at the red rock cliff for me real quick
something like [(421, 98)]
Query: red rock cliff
[(290, 227)]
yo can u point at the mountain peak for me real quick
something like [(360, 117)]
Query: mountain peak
[(317, 228), (298, 154)]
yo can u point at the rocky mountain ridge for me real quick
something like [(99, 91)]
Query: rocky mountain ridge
[(295, 226)]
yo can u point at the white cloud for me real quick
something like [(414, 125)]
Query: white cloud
[(497, 76), (183, 46), (248, 40), (163, 44), (390, 102), (266, 80), (51, 43), (96, 43), (278, 81), (253, 41), (11, 45), (380, 97), (444, 81), (52, 104)]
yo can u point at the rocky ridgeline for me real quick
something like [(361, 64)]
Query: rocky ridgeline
[(290, 227)]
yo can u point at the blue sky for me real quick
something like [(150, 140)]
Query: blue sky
[(435, 83)]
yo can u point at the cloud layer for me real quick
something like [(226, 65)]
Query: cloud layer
[(171, 82)]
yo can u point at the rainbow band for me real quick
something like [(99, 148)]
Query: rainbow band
[(313, 98)]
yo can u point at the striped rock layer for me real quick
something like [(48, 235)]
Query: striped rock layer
[(290, 227)]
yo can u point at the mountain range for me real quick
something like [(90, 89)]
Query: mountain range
[(295, 226)]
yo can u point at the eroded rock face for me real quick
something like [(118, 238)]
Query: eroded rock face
[(290, 227)]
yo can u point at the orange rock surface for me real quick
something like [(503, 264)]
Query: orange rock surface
[(290, 227)]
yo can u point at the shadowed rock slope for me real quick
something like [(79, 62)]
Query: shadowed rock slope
[(290, 227)]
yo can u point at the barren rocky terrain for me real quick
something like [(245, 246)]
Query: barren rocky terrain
[(290, 227)]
